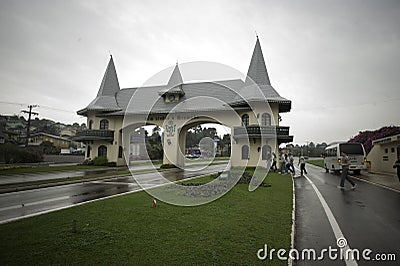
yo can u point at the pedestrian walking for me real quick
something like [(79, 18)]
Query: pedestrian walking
[(273, 166), (291, 163), (345, 162), (302, 163), (287, 166), (397, 165), (283, 163)]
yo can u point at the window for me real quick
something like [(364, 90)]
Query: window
[(245, 152), (120, 151), (90, 124), (266, 119), (104, 124), (102, 151), (386, 150), (266, 152), (351, 148), (392, 149), (245, 120), (385, 158), (88, 151)]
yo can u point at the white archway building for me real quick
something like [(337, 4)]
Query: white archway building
[(250, 108)]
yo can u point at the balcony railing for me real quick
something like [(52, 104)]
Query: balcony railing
[(94, 134), (281, 133)]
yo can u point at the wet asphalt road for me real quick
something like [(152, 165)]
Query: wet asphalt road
[(31, 177), (25, 203), (368, 217)]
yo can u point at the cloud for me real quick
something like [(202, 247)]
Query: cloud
[(338, 61)]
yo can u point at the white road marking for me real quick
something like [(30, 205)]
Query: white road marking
[(331, 218)]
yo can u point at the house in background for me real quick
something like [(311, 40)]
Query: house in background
[(384, 153), (38, 138)]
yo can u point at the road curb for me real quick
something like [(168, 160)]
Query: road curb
[(375, 184), (293, 233)]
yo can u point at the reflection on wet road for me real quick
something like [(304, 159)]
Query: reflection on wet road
[(27, 203)]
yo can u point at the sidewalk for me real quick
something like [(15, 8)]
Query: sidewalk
[(384, 179)]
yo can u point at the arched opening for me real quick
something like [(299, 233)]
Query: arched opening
[(143, 143), (207, 140), (266, 119), (266, 152), (104, 124), (102, 151), (88, 148), (245, 152), (90, 124), (245, 120)]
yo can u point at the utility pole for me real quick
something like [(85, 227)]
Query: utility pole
[(30, 113)]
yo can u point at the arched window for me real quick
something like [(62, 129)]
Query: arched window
[(266, 152), (120, 151), (90, 124), (245, 120), (102, 151), (245, 152), (104, 124), (266, 119)]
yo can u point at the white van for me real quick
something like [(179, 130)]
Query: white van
[(355, 151)]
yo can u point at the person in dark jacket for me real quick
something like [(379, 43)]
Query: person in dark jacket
[(345, 162)]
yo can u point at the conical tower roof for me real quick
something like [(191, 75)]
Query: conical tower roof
[(176, 78), (105, 100), (257, 86), (109, 85), (257, 72)]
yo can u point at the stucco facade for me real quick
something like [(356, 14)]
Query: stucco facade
[(384, 153)]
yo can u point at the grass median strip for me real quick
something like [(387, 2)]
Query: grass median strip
[(127, 230), (319, 163)]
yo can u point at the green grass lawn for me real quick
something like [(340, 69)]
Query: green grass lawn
[(319, 163), (127, 230)]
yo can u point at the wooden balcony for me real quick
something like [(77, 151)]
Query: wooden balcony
[(268, 132)]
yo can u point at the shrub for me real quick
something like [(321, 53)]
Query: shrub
[(100, 161), (10, 153)]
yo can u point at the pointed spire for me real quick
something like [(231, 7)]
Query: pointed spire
[(257, 72), (110, 85), (176, 77)]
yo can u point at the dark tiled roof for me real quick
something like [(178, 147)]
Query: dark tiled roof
[(113, 101)]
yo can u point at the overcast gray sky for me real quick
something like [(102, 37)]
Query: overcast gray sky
[(338, 61)]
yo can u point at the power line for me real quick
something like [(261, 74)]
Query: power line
[(41, 106)]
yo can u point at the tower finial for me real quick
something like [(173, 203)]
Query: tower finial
[(256, 34), (109, 51)]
